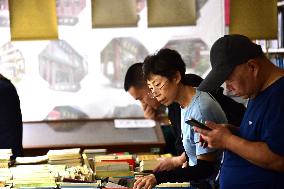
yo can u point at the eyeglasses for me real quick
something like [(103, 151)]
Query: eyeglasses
[(156, 88)]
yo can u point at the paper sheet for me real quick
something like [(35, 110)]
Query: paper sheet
[(134, 123)]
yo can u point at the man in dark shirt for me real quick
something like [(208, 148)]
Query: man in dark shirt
[(254, 152), (11, 127)]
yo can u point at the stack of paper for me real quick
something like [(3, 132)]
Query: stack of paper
[(69, 157), (134, 123), (32, 160)]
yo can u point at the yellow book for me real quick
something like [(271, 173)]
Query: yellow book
[(112, 166), (98, 158), (148, 165)]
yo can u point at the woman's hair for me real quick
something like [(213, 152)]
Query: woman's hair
[(165, 62)]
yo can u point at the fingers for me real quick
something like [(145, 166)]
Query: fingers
[(201, 131), (136, 183), (184, 165), (203, 142), (144, 182), (149, 112), (211, 124)]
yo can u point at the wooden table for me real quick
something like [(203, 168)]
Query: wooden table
[(39, 137)]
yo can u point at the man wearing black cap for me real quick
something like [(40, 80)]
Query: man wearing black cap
[(254, 155)]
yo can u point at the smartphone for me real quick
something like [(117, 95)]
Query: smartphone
[(198, 124)]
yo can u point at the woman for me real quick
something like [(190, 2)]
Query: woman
[(165, 74)]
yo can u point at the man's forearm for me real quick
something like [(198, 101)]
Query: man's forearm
[(257, 153), (234, 129)]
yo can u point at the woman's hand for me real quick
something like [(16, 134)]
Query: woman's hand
[(167, 164), (146, 182)]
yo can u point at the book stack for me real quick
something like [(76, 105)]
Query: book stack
[(69, 157), (116, 158), (5, 155), (112, 169), (113, 185), (5, 177), (125, 182), (173, 185), (36, 176), (69, 185), (148, 165), (114, 166), (141, 157), (93, 152)]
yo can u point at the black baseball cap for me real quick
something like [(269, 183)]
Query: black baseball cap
[(226, 53)]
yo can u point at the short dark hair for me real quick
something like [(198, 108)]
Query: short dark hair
[(166, 62), (134, 77), (192, 80)]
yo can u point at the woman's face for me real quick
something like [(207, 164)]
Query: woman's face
[(163, 88)]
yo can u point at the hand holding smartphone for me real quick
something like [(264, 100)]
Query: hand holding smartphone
[(198, 124)]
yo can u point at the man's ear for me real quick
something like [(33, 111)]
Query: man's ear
[(253, 67), (177, 77)]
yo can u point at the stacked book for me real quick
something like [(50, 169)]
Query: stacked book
[(114, 185), (69, 157), (142, 157), (173, 185), (69, 185), (148, 165), (116, 158), (93, 152), (36, 176), (5, 177), (112, 169), (114, 166), (5, 155)]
